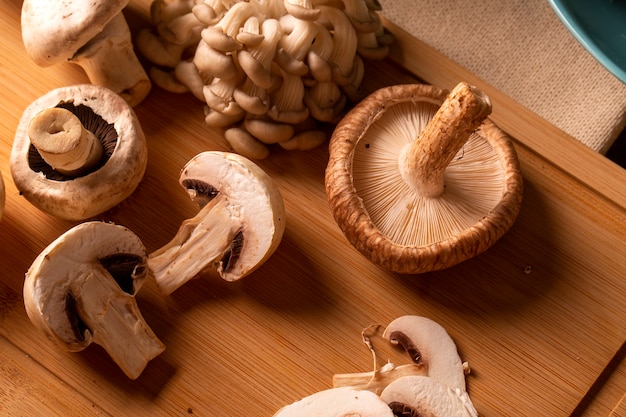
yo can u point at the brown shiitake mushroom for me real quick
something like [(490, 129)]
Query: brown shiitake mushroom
[(417, 185)]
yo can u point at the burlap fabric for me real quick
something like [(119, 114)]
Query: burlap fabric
[(521, 48)]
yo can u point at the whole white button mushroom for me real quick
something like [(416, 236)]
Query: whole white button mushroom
[(94, 35), (81, 290), (239, 226), (78, 151)]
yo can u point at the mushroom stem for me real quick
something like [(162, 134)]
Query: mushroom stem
[(109, 60), (64, 143), (423, 162), (116, 323), (186, 254)]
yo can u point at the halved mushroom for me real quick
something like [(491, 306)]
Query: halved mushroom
[(417, 185), (239, 226), (78, 151), (81, 290), (94, 36), (337, 402), (442, 391)]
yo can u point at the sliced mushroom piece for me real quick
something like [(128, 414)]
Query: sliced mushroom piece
[(81, 290), (60, 187), (239, 226), (94, 36), (418, 186), (338, 402), (423, 396), (428, 344)]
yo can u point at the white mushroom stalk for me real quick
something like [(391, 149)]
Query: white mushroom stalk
[(417, 185), (78, 151), (95, 37), (81, 290), (239, 226), (274, 43)]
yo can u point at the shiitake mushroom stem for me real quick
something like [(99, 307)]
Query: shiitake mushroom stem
[(424, 161)]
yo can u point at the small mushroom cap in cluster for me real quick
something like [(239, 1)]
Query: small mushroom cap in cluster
[(419, 180), (111, 121), (239, 226), (81, 290)]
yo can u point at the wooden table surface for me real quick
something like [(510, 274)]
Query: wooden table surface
[(539, 317)]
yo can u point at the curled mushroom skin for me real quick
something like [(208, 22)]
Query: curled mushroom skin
[(93, 36), (76, 184), (81, 290), (419, 180), (337, 402), (239, 226)]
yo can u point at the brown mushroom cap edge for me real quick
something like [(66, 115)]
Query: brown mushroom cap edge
[(353, 218)]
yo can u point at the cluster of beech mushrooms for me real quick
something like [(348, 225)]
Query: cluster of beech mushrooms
[(419, 179), (269, 71), (433, 384)]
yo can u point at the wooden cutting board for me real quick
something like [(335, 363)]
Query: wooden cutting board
[(539, 317)]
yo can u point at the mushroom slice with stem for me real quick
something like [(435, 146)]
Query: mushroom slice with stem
[(416, 185), (81, 290), (95, 36), (239, 226), (78, 151), (337, 402), (442, 391)]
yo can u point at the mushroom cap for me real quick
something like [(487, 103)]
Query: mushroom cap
[(81, 289), (337, 402), (424, 396), (253, 198), (53, 31), (374, 206), (62, 264), (85, 196)]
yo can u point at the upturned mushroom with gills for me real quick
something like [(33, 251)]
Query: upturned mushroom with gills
[(81, 290), (420, 180), (78, 151), (94, 36), (239, 226)]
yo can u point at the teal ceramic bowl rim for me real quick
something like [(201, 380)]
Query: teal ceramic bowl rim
[(613, 61)]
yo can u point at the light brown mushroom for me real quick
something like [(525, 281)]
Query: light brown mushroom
[(81, 290), (78, 151), (94, 36), (239, 226), (417, 185)]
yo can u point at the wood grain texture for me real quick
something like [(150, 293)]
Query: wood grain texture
[(538, 317)]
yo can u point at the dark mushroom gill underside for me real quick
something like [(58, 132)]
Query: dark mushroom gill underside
[(93, 122)]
